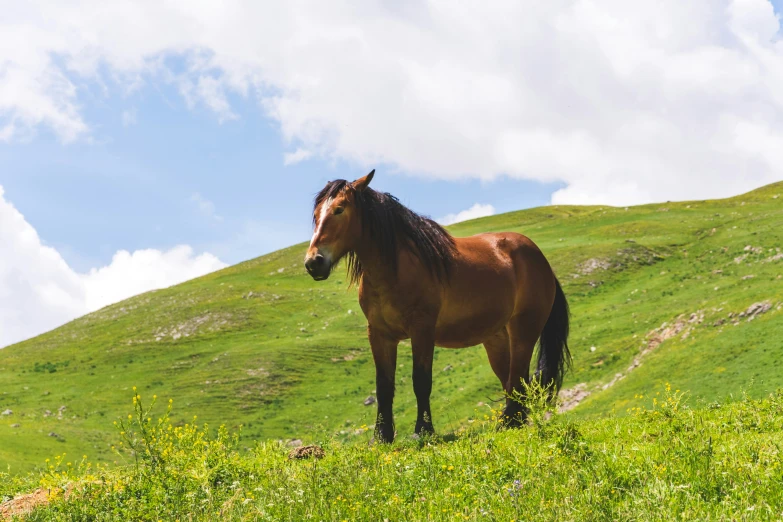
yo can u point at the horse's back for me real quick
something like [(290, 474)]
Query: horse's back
[(502, 251), (495, 276), (534, 278)]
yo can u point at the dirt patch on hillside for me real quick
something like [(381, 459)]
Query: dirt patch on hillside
[(681, 326), (754, 254), (262, 295), (633, 254), (776, 257), (348, 357), (667, 331), (208, 322), (24, 504), (571, 397), (756, 309), (258, 372), (749, 314), (307, 452), (593, 264)]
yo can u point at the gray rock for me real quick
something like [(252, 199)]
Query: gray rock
[(757, 309), (369, 400)]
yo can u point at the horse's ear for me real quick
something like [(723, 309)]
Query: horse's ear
[(361, 183)]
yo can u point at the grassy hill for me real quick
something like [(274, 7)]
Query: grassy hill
[(659, 293), (664, 461)]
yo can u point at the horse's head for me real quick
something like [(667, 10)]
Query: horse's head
[(337, 223)]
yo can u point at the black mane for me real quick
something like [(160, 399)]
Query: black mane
[(392, 226)]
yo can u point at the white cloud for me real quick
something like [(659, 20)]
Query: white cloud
[(205, 206), (299, 155), (476, 211), (129, 117), (39, 291), (210, 91), (132, 273), (623, 101)]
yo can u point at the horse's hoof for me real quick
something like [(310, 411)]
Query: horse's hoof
[(511, 421), (425, 430), (380, 440), (375, 442)]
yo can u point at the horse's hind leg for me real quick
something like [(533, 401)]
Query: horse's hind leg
[(523, 331), (499, 354)]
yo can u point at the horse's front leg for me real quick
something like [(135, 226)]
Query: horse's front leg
[(384, 352), (423, 351)]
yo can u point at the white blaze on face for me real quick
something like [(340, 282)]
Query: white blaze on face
[(321, 218)]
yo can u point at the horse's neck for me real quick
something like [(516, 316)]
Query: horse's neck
[(376, 270)]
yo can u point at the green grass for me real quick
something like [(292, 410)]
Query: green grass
[(665, 461), (292, 360)]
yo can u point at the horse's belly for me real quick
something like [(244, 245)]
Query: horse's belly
[(463, 328), (475, 307), (464, 335), (463, 342)]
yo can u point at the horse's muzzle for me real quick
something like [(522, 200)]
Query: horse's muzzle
[(318, 267)]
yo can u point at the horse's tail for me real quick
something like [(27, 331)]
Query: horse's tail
[(553, 355)]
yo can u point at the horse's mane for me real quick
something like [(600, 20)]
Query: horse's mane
[(392, 226)]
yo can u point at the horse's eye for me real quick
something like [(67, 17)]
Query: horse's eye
[(338, 210)]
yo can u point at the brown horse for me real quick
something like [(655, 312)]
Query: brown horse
[(418, 282)]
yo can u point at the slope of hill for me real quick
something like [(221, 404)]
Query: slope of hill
[(665, 461), (688, 293)]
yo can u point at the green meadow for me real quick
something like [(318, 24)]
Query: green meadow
[(663, 461), (686, 293)]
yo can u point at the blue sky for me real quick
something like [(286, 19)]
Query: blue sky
[(132, 185), (145, 143)]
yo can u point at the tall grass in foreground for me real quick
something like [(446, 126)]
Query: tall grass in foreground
[(666, 461)]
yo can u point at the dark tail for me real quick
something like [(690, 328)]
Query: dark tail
[(554, 359)]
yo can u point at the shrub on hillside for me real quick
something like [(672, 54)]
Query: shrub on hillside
[(662, 462)]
